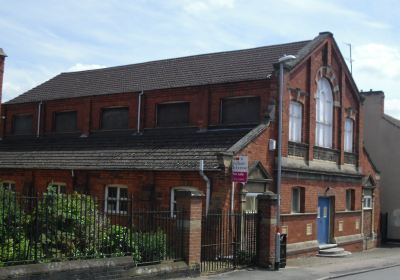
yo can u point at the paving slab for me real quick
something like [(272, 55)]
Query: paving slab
[(317, 268)]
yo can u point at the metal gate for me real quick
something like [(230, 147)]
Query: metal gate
[(228, 241)]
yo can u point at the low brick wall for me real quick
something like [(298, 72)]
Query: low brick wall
[(110, 268)]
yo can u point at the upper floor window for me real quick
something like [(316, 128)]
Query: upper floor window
[(348, 135), (295, 121), (324, 116), (173, 114), (115, 118), (65, 121), (240, 110), (22, 125), (59, 188), (116, 199), (367, 193), (350, 200), (8, 185), (298, 200)]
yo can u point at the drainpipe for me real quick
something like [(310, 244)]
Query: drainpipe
[(39, 118), (139, 111), (207, 180)]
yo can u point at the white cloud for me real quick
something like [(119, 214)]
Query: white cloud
[(376, 66), (82, 67), (199, 6), (392, 106), (377, 59)]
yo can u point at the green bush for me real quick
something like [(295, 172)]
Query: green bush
[(14, 225), (69, 225), (152, 245), (117, 242)]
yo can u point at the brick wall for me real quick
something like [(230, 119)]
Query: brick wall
[(204, 106)]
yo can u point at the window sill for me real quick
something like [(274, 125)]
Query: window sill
[(367, 208), (299, 214), (349, 212), (121, 213)]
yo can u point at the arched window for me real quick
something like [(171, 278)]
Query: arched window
[(295, 121), (348, 135), (323, 132)]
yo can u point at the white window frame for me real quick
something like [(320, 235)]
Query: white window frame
[(295, 121), (324, 114), (367, 203), (348, 135), (253, 197), (118, 199), (172, 201), (59, 186), (8, 185)]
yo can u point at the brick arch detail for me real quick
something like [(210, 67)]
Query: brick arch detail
[(328, 73)]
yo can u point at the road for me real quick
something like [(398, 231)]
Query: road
[(392, 273)]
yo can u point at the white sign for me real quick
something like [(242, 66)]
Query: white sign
[(240, 169)]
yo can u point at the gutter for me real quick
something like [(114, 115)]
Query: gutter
[(139, 111), (39, 118), (208, 185)]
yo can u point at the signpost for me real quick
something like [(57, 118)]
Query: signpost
[(240, 169)]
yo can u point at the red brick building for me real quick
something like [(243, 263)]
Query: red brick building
[(148, 128)]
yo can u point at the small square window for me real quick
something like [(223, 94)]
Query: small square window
[(65, 122), (22, 125), (8, 185), (173, 114), (240, 110), (116, 201), (115, 118), (60, 188)]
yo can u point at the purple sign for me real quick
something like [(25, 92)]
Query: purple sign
[(240, 169)]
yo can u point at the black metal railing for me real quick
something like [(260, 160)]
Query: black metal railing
[(229, 240), (56, 227), (298, 149)]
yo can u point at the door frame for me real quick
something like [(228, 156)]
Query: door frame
[(331, 219)]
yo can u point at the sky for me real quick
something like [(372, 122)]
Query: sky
[(43, 38)]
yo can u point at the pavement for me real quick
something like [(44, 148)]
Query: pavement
[(321, 268)]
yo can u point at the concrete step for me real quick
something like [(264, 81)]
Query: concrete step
[(333, 252), (327, 246)]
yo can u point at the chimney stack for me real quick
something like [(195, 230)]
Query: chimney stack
[(2, 59)]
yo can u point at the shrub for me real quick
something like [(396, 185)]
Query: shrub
[(152, 245), (14, 225), (69, 225)]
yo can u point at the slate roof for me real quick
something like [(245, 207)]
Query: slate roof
[(149, 151), (222, 67), (392, 120)]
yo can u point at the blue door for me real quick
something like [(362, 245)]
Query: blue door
[(323, 220)]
